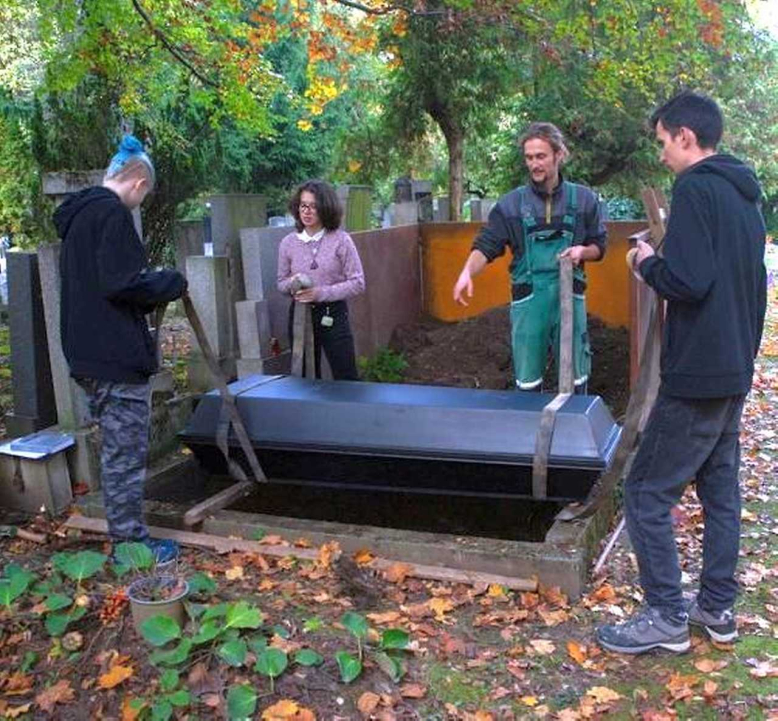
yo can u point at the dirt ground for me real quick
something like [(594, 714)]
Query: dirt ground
[(476, 353)]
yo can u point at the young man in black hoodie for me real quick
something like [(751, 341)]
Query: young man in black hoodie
[(713, 278), (106, 290)]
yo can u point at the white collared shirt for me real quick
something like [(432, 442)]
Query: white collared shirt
[(310, 238)]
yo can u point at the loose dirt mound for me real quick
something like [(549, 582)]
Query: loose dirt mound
[(476, 353)]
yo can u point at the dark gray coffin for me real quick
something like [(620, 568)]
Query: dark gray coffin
[(427, 439)]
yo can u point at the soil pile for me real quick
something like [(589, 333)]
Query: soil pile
[(476, 353)]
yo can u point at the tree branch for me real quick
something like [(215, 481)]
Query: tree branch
[(170, 47)]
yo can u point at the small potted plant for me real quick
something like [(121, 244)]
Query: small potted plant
[(158, 590)]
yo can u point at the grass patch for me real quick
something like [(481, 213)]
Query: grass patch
[(450, 685)]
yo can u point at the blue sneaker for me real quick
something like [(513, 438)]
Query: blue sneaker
[(165, 552)]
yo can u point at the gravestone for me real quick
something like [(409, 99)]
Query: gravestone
[(34, 405), (189, 238), (229, 214), (208, 278)]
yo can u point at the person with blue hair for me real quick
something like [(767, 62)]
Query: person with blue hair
[(106, 292)]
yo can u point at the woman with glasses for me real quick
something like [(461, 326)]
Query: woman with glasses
[(319, 265)]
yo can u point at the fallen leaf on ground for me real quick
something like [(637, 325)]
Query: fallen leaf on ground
[(413, 690), (707, 665), (765, 669), (553, 618), (542, 646), (368, 702), (60, 692), (603, 694), (273, 540), (115, 676), (234, 573), (131, 709), (287, 710), (363, 556), (530, 701), (576, 651), (8, 711), (382, 618), (397, 572), (327, 551), (440, 606), (17, 684)]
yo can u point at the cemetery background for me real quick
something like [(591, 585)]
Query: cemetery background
[(364, 99)]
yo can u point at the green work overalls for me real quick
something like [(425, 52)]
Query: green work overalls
[(535, 315)]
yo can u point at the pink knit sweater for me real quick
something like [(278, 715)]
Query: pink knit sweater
[(338, 273)]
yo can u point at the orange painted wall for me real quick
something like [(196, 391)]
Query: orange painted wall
[(445, 247)]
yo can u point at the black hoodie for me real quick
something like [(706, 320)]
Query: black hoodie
[(106, 289), (714, 279)]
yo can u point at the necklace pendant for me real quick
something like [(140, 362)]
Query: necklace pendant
[(314, 264)]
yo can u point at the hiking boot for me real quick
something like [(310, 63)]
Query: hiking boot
[(645, 631), (719, 625)]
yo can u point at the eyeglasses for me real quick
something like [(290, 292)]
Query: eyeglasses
[(307, 206)]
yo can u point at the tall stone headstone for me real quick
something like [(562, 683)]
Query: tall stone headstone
[(34, 406), (208, 278), (229, 214), (189, 238)]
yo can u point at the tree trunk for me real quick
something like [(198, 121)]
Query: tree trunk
[(455, 142)]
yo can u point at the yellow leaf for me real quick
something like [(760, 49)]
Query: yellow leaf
[(326, 553), (440, 606), (576, 651), (368, 702), (496, 590), (530, 701), (603, 694), (542, 646), (266, 585), (363, 556), (234, 573), (7, 711), (115, 676), (354, 165)]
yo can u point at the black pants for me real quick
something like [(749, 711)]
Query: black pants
[(336, 340), (687, 439)]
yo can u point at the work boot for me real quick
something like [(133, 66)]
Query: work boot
[(719, 625), (646, 630)]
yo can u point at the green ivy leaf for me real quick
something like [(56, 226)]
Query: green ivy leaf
[(349, 666), (201, 583), (394, 638), (57, 623), (208, 631), (391, 666), (356, 624), (241, 615), (233, 652), (241, 702), (135, 556), (180, 698), (161, 711), (14, 584), (281, 631), (257, 643), (175, 656), (168, 680), (308, 657), (58, 601), (160, 629), (81, 565), (28, 661), (217, 611), (272, 662)]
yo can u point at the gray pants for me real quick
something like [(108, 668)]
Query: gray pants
[(123, 411), (687, 439)]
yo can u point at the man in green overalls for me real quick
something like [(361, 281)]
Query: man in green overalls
[(541, 221)]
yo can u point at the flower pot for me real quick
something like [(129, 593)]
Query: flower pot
[(144, 603)]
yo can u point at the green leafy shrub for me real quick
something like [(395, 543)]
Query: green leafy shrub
[(386, 366)]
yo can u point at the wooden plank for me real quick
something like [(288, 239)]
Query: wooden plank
[(216, 502), (225, 545)]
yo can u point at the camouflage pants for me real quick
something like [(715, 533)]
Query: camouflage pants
[(122, 411)]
